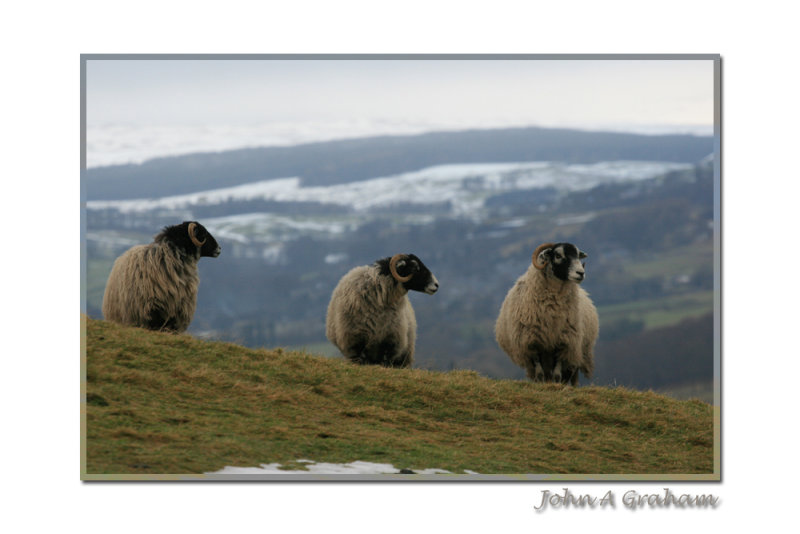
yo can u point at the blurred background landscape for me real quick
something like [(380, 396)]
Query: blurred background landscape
[(295, 204)]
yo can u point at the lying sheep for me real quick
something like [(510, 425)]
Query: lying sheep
[(370, 319), (547, 324), (155, 286)]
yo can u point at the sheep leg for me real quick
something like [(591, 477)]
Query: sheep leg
[(568, 374), (548, 360), (390, 354), (564, 373), (355, 352), (588, 363), (573, 380), (534, 370), (159, 320), (156, 321), (387, 353), (533, 363), (557, 371), (404, 360)]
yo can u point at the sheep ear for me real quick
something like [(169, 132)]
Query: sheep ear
[(582, 254)]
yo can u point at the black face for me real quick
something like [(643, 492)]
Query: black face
[(564, 261), (179, 237), (421, 280)]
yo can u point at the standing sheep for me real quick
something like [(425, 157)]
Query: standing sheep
[(547, 324), (370, 319), (155, 286)]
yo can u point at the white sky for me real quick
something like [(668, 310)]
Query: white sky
[(620, 94)]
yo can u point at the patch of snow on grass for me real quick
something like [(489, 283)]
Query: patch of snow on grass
[(323, 468)]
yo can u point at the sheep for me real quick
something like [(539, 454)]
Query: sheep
[(547, 324), (370, 319), (154, 286)]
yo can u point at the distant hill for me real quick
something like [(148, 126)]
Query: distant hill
[(335, 162), (163, 404)]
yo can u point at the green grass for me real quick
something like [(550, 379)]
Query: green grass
[(661, 312), (323, 348), (687, 259), (703, 391), (159, 403)]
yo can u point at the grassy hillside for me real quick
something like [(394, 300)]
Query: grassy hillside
[(158, 403)]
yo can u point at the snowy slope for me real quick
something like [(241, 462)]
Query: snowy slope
[(464, 186)]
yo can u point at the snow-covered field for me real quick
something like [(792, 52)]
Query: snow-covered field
[(314, 468), (461, 188), (464, 186), (239, 227)]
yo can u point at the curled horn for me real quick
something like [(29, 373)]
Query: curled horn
[(393, 269), (536, 253), (193, 238)]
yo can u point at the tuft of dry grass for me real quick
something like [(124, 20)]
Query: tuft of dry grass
[(158, 403)]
